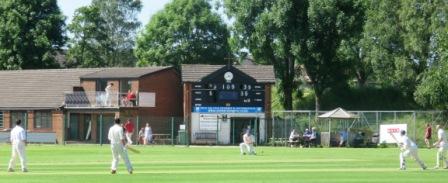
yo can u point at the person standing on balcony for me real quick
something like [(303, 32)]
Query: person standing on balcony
[(132, 98), (129, 128), (108, 91), (18, 141)]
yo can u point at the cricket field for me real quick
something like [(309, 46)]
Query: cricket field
[(158, 164)]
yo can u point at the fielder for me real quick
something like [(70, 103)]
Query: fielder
[(118, 147), (408, 148), (247, 146), (442, 143), (129, 128), (18, 141)]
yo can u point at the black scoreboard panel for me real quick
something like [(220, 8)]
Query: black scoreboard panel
[(228, 95)]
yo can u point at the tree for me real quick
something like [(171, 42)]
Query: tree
[(104, 34), (184, 32), (297, 37), (399, 41), (432, 90), (88, 33), (30, 34)]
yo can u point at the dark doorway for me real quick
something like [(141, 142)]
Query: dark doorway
[(73, 127), (239, 125), (103, 126)]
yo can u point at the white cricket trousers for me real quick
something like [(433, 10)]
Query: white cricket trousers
[(247, 148), (129, 137), (441, 156), (18, 149), (410, 152), (117, 151)]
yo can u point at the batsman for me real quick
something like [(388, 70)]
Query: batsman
[(118, 147), (408, 148)]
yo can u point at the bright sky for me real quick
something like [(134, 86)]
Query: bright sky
[(150, 7)]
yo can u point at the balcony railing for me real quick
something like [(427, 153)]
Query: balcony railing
[(101, 99)]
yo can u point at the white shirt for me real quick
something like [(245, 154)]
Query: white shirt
[(292, 135), (115, 134), (407, 143), (148, 131), (17, 134), (441, 135), (108, 89), (247, 139)]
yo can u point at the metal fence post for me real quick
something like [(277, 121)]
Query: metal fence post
[(284, 126), (101, 129), (64, 122), (172, 131), (217, 129), (273, 130), (138, 128), (232, 122), (415, 126), (256, 130)]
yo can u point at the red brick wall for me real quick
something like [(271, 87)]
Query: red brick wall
[(268, 108), (6, 119), (167, 86), (58, 125), (88, 85), (187, 101), (30, 125)]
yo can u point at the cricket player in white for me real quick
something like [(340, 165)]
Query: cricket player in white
[(247, 146), (118, 146), (18, 141), (408, 148), (442, 143)]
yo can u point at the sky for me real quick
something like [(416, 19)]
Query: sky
[(150, 7)]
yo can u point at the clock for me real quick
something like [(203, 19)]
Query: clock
[(228, 76)]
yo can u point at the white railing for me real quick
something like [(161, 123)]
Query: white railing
[(99, 99)]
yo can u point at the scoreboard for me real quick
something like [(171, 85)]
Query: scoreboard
[(228, 91)]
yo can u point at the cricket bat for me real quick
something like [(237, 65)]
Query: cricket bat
[(132, 149), (396, 140)]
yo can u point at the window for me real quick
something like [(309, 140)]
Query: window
[(1, 119), (16, 115), (42, 119), (101, 84), (125, 85)]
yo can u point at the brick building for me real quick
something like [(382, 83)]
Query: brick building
[(71, 105)]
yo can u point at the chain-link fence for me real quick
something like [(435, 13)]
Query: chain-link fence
[(275, 130), (366, 126)]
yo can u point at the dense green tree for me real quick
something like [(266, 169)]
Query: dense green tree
[(399, 40), (184, 32), (104, 33), (297, 37), (30, 33), (432, 90), (88, 32)]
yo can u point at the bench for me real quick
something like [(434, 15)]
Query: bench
[(278, 141), (294, 143), (205, 137), (161, 138), (32, 137)]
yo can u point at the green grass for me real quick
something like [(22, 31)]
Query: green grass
[(90, 163)]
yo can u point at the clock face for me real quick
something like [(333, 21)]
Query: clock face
[(228, 76)]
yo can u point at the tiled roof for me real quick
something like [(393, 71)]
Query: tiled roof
[(37, 88), (123, 72), (45, 89), (195, 72)]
